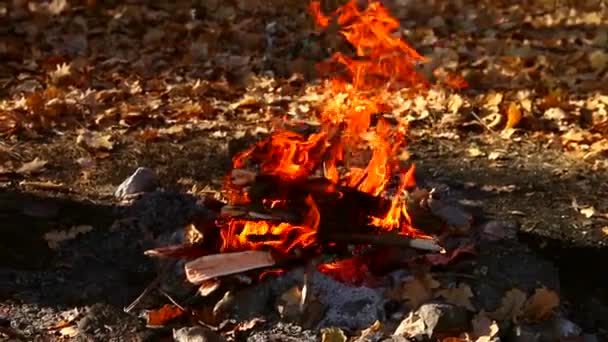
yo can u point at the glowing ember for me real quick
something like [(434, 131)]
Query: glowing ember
[(351, 128)]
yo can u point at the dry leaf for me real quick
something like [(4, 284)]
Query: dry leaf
[(412, 326), (588, 212), (370, 331), (541, 305), (511, 306), (459, 296), (605, 230), (513, 115), (31, 167), (418, 290), (162, 316), (95, 141), (474, 152), (56, 237), (598, 59), (71, 331), (332, 335), (484, 329)]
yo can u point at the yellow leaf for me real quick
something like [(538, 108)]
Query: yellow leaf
[(513, 115), (332, 335), (459, 296), (418, 290), (511, 305), (541, 305)]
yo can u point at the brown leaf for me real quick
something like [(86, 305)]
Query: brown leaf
[(541, 305), (511, 306), (163, 315), (484, 329), (332, 335), (513, 115), (418, 290), (95, 141), (459, 296), (31, 167)]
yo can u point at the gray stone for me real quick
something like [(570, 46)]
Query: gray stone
[(142, 180), (196, 334), (349, 308)]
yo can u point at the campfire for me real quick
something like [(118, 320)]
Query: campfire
[(295, 196)]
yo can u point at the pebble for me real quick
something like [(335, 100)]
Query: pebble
[(142, 180)]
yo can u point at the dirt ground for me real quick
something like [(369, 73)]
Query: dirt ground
[(181, 99)]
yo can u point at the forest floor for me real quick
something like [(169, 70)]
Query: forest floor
[(90, 93)]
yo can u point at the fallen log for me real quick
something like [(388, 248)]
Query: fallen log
[(218, 265)]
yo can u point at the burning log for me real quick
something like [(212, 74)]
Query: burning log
[(217, 265), (389, 240)]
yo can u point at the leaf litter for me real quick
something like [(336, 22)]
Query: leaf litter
[(214, 81)]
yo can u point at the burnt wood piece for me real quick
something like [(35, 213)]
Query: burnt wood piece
[(388, 239)]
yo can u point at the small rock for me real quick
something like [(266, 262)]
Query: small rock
[(434, 318), (452, 215), (565, 328), (142, 180), (196, 334)]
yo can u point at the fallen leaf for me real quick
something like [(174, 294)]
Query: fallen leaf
[(71, 331), (162, 316), (511, 306), (513, 115), (605, 230), (484, 329), (598, 59), (413, 326), (419, 290), (332, 334), (370, 331), (588, 212), (474, 152), (495, 155), (459, 296), (56, 237), (31, 167), (95, 141), (541, 305)]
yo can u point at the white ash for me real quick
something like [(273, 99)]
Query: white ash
[(351, 308)]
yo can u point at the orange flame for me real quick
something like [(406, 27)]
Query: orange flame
[(350, 130), (241, 234)]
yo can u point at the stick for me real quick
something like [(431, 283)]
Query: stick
[(217, 265), (388, 240)]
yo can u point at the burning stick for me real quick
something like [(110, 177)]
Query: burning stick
[(217, 265), (388, 240)]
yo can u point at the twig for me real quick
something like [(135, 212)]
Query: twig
[(153, 285)]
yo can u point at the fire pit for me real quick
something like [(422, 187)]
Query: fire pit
[(294, 196)]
